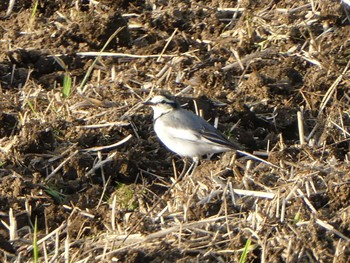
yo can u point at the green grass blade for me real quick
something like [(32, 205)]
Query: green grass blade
[(35, 8), (67, 85), (31, 107), (32, 16), (35, 242), (56, 195), (245, 251), (297, 218)]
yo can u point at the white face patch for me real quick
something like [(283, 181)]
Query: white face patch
[(159, 99), (161, 105), (160, 109)]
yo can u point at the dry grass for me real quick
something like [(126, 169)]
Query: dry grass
[(91, 170)]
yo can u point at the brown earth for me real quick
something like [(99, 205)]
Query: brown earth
[(253, 64)]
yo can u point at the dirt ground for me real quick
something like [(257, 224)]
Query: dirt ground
[(83, 177)]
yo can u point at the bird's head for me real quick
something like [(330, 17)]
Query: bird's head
[(162, 104)]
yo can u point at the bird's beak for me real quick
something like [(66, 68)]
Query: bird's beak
[(148, 103)]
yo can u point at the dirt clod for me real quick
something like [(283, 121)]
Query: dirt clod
[(78, 154)]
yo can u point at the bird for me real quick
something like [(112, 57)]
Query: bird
[(185, 133)]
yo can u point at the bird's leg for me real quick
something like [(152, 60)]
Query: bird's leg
[(209, 156), (193, 166), (189, 169), (185, 160)]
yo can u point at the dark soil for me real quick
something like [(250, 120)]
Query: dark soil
[(254, 67)]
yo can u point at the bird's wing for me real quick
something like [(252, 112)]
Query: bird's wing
[(200, 129), (216, 138)]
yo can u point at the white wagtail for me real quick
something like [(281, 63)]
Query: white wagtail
[(184, 132)]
